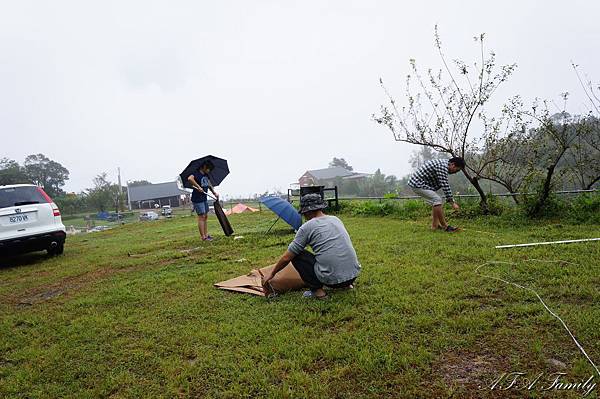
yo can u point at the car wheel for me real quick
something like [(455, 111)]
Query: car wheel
[(57, 250)]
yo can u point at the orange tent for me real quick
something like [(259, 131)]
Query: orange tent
[(240, 208)]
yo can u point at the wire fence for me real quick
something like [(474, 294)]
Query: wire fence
[(409, 197), (255, 203)]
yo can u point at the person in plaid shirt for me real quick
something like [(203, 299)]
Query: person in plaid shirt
[(431, 177)]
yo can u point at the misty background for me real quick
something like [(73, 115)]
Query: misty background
[(274, 87)]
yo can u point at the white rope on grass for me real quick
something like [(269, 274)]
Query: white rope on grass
[(540, 299), (533, 244)]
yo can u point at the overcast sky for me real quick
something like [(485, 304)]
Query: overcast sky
[(275, 87)]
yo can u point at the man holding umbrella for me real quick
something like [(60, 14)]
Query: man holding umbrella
[(200, 182), (201, 175), (334, 263)]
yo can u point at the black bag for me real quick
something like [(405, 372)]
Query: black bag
[(222, 219)]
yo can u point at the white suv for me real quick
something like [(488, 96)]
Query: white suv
[(29, 221)]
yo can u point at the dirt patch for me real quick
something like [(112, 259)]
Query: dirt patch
[(465, 370), (43, 293), (471, 370)]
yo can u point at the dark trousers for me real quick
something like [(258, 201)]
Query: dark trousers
[(304, 263)]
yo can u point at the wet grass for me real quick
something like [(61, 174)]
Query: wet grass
[(131, 312)]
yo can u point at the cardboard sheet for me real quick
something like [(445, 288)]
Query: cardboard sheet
[(286, 280)]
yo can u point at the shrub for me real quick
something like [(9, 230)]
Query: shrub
[(403, 209), (585, 208)]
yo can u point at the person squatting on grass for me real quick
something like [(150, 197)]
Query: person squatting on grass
[(201, 184), (431, 177), (334, 263)]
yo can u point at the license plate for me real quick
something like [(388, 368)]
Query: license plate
[(18, 219)]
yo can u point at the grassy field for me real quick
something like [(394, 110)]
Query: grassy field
[(131, 312)]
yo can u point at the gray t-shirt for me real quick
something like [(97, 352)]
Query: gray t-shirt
[(335, 255)]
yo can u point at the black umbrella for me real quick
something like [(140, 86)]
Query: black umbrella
[(216, 176)]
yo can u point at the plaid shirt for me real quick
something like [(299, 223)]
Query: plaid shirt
[(432, 176)]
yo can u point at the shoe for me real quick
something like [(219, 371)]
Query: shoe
[(310, 294), (208, 238), (451, 229)]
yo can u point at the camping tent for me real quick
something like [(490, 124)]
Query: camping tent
[(240, 208), (287, 279)]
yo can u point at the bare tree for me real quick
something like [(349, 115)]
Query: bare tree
[(591, 90), (587, 150), (507, 155), (442, 106)]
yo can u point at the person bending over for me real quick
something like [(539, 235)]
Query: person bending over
[(431, 177)]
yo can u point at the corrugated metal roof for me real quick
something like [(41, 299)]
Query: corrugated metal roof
[(330, 173), (357, 176), (152, 191)]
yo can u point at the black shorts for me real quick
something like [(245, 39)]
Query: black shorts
[(304, 263)]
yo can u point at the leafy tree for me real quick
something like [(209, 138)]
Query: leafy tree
[(379, 185), (558, 153), (376, 185), (347, 187), (341, 162), (71, 203), (541, 157), (392, 183), (12, 173), (46, 173), (442, 106), (104, 195)]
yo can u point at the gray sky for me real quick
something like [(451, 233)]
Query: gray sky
[(275, 87)]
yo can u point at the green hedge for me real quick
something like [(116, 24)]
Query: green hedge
[(583, 208)]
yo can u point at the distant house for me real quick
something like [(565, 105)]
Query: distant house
[(328, 176), (147, 196)]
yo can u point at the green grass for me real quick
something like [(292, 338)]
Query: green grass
[(98, 322)]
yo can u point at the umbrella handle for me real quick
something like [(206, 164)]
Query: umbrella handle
[(208, 195), (279, 217)]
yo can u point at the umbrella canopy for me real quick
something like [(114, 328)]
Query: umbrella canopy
[(216, 175), (284, 210)]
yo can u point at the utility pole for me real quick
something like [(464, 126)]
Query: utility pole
[(128, 196), (120, 198)]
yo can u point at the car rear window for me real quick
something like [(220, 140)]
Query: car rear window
[(17, 196)]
